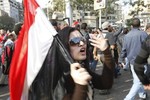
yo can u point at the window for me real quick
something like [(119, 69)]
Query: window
[(86, 14)]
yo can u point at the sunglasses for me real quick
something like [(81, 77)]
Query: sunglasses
[(76, 41)]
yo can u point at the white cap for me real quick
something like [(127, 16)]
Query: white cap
[(105, 25)]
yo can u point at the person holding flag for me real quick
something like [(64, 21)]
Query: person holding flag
[(51, 66), (34, 40), (71, 81)]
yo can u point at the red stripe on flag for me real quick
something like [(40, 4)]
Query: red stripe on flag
[(19, 60)]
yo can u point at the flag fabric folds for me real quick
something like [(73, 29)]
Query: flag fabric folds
[(34, 41)]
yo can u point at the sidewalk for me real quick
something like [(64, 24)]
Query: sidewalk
[(120, 89)]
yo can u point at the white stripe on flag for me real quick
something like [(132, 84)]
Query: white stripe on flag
[(40, 38)]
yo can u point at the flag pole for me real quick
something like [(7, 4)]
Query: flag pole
[(64, 51), (65, 54), (69, 11)]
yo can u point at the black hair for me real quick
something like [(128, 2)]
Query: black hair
[(84, 26), (147, 26), (53, 22), (64, 37), (125, 31), (77, 27), (136, 22), (17, 28)]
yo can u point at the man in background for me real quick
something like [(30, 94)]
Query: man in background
[(131, 47), (55, 24)]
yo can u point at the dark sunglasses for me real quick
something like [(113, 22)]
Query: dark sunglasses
[(76, 41)]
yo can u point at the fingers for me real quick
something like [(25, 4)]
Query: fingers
[(95, 45), (80, 70), (100, 43), (79, 74), (147, 87), (92, 35), (95, 57), (75, 66), (86, 76), (97, 40), (100, 35), (94, 41), (94, 38)]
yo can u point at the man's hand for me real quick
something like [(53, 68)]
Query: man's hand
[(122, 65), (79, 74)]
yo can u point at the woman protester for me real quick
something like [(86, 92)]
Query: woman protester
[(79, 84)]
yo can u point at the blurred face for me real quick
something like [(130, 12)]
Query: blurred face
[(77, 44), (110, 28), (2, 32)]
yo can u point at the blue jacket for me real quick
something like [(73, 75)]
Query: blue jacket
[(132, 44)]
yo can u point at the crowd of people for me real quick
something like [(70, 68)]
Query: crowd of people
[(129, 48), (7, 39), (122, 48)]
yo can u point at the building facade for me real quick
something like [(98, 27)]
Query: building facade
[(2, 13), (147, 2), (12, 8)]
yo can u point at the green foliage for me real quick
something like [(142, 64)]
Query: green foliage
[(85, 5), (6, 22), (83, 1), (128, 22), (110, 5), (59, 5), (82, 4), (138, 5), (48, 12)]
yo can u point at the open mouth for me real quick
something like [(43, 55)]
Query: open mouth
[(82, 50)]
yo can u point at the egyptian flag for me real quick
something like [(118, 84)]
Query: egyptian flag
[(34, 42)]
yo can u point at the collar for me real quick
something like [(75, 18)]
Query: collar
[(104, 31)]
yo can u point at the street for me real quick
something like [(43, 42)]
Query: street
[(119, 90), (4, 93)]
